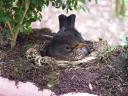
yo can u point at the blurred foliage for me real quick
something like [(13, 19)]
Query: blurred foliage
[(126, 9), (126, 54), (17, 15), (126, 47), (121, 8)]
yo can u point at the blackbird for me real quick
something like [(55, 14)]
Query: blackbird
[(67, 44)]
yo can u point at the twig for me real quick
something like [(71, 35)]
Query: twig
[(9, 26), (33, 56)]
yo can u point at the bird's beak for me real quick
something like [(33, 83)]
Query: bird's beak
[(79, 45)]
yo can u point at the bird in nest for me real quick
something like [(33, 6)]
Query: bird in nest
[(67, 44)]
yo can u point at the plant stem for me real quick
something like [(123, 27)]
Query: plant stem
[(10, 27), (17, 28)]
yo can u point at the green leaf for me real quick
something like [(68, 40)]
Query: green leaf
[(82, 1), (33, 2), (75, 4)]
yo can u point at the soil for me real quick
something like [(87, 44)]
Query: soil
[(105, 76)]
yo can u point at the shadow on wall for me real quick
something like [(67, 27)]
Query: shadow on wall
[(99, 22)]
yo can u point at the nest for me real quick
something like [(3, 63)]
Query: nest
[(100, 51)]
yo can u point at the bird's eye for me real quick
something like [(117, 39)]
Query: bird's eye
[(67, 47)]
